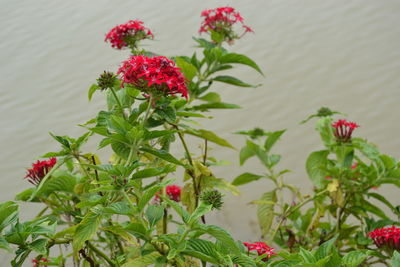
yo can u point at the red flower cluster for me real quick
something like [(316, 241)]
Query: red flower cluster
[(128, 34), (172, 191), (153, 75), (221, 20), (343, 130), (261, 248), (40, 262), (386, 237), (39, 170)]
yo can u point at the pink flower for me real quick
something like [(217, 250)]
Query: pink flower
[(221, 20), (386, 237), (128, 34), (37, 263), (261, 249), (328, 178), (343, 130), (153, 75), (39, 170), (173, 192)]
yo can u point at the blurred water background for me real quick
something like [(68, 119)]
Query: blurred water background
[(335, 53)]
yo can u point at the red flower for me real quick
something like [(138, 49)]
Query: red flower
[(221, 20), (39, 170), (173, 192), (261, 248), (37, 263), (153, 75), (128, 34), (343, 130), (386, 237)]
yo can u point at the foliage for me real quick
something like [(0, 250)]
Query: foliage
[(127, 211)]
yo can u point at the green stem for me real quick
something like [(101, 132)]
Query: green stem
[(118, 102), (290, 211), (146, 115), (100, 254)]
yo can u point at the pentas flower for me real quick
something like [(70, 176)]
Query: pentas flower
[(128, 34), (37, 263), (221, 20), (261, 249), (173, 192), (39, 170), (153, 75), (343, 130), (387, 238)]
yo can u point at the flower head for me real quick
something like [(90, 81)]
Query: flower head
[(261, 249), (343, 130), (221, 21), (128, 34), (388, 238), (39, 170), (153, 75), (173, 192)]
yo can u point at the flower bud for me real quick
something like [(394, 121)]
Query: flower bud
[(212, 197)]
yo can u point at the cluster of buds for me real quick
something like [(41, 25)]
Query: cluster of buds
[(343, 130), (212, 197), (221, 21), (128, 34), (40, 262), (386, 238), (172, 191), (261, 249), (106, 80), (39, 170), (153, 75)]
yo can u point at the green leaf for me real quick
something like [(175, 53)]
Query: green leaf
[(245, 178), (92, 89), (248, 151), (307, 256), (222, 236), (265, 212), (325, 249), (60, 181), (152, 172), (381, 199), (368, 149), (354, 258), (272, 138), (143, 261), (121, 208), (189, 114), (162, 155), (39, 246), (8, 213), (395, 259), (202, 249), (239, 59), (86, 229), (62, 140), (201, 210), (151, 191), (232, 80), (314, 164), (154, 214), (325, 129), (210, 136), (374, 209), (211, 97), (137, 230), (216, 105), (395, 181), (188, 69)]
